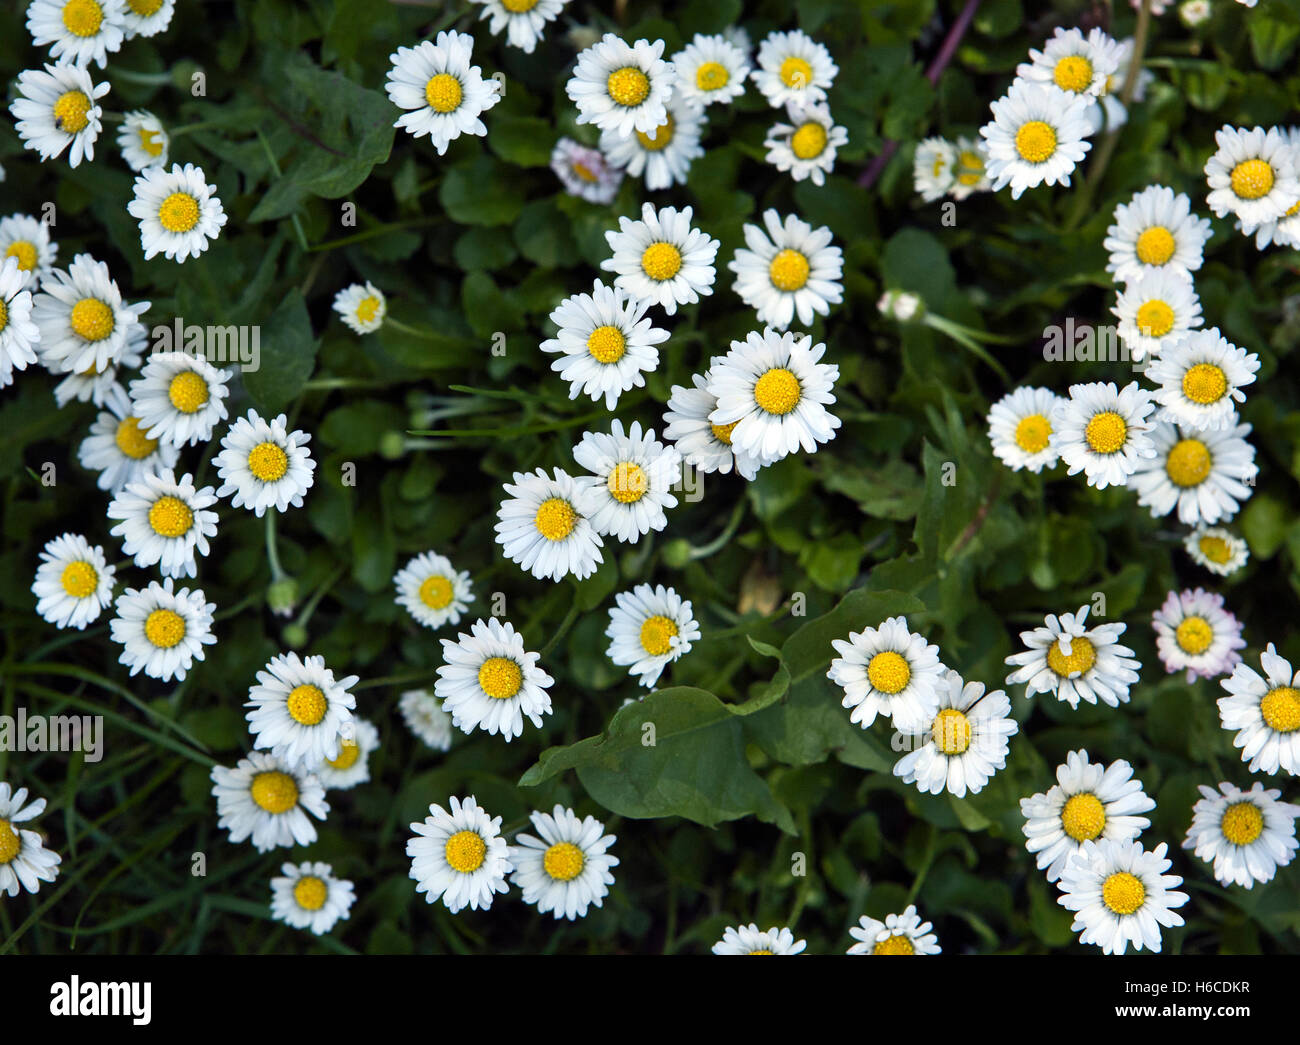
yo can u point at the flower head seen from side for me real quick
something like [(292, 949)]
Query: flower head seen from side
[(147, 17), (807, 144), (27, 240), (585, 172), (793, 67), (749, 939), (1246, 835), (82, 318), (442, 92), (58, 108), (77, 32), (433, 591), (934, 168), (119, 449), (458, 856), (361, 307), (424, 716), (308, 896), (1195, 634), (1218, 550), (1155, 231), (622, 87), (565, 868), (143, 140), (488, 680), (898, 934), (630, 480), (19, 336), (162, 631), (1254, 175), (299, 711), (661, 259), (701, 443), (791, 270), (180, 398), (165, 521), (269, 801), (74, 582), (1201, 379), (178, 211), (889, 671), (1074, 662), (24, 860), (710, 70), (1120, 895), (543, 526), (661, 157), (1205, 474), (358, 740), (1264, 711), (523, 21), (1037, 136), (264, 465), (1103, 431), (649, 628), (1020, 429), (1155, 312)]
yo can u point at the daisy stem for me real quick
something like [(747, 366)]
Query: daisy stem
[(310, 607), (272, 554), (565, 624), (963, 337), (131, 76), (931, 850), (406, 328), (719, 542)]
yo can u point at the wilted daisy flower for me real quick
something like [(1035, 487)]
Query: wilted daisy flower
[(1037, 135), (74, 582), (701, 443), (77, 32), (299, 710), (1020, 429), (970, 174), (442, 90), (1217, 549), (118, 448), (1074, 662), (649, 628), (178, 211), (1155, 231), (1104, 432), (1254, 175), (432, 590), (19, 336), (898, 934), (791, 270), (357, 742), (424, 717), (710, 69), (143, 140), (308, 896), (660, 157), (524, 21), (586, 173), (58, 109), (1247, 834), (264, 465), (165, 521), (1201, 378), (100, 386), (749, 939), (774, 390), (806, 146), (489, 681), (147, 17), (1204, 474), (661, 260), (24, 860), (1120, 895), (888, 671), (268, 800), (179, 397), (1194, 633), (934, 168), (1088, 801), (1073, 62), (1156, 311), (459, 856), (1265, 712), (543, 526), (162, 631), (82, 318), (793, 67), (27, 239), (362, 307), (566, 869), (630, 481), (622, 87)]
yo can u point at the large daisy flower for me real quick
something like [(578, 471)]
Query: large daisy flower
[(100, 386), (443, 92), (143, 140), (898, 934), (432, 590), (489, 681), (1204, 474), (1194, 633), (586, 173), (622, 87), (661, 157), (74, 582), (178, 211), (649, 628), (24, 860), (701, 443), (1156, 311), (27, 239), (459, 856), (1103, 431), (934, 167), (1074, 662), (82, 318), (264, 465), (523, 21), (564, 869), (888, 671), (661, 259), (1155, 231), (119, 449), (299, 711), (77, 32), (1020, 429), (19, 336), (165, 521), (543, 526), (1254, 175), (308, 896), (1073, 62), (1265, 712), (179, 398), (1037, 135), (357, 742), (630, 481), (792, 270), (1247, 835), (710, 70), (793, 67), (1201, 378), (424, 716), (806, 146), (58, 109), (269, 801), (1120, 895), (1218, 550), (749, 939), (162, 631), (362, 308)]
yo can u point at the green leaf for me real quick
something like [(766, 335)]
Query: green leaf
[(288, 356)]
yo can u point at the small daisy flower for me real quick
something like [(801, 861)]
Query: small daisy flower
[(19, 336), (24, 860), (807, 145), (269, 801), (970, 174), (264, 465), (1265, 712), (1155, 312), (1088, 801), (433, 591), (622, 87), (1204, 474), (1247, 835), (1120, 895), (74, 582), (1201, 378), (162, 631), (793, 269), (308, 896), (1194, 633), (660, 157), (701, 443), (1104, 432), (649, 628), (1074, 662), (748, 939), (1218, 550), (179, 398), (100, 386), (630, 481), (299, 710), (489, 681), (58, 109), (1155, 231), (82, 318), (459, 856), (564, 869), (1253, 175), (423, 714), (120, 451), (586, 173), (898, 934), (1073, 62), (774, 390), (443, 92), (147, 17), (178, 211), (934, 168), (710, 70), (165, 521), (358, 740), (661, 259), (1037, 135), (542, 525), (888, 671), (524, 21), (77, 32), (362, 308), (1193, 12), (28, 240), (1020, 429), (793, 67), (143, 140)]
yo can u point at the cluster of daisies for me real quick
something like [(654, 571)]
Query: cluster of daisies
[(899, 934), (957, 168)]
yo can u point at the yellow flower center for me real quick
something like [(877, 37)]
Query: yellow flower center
[(465, 851), (898, 943), (564, 861), (170, 517), (606, 344), (268, 462), (1106, 432), (555, 519), (1188, 463), (1033, 433), (711, 76), (809, 140), (627, 482), (1252, 179), (145, 8), (519, 7), (1194, 635), (952, 731), (583, 171), (777, 391), (436, 592), (661, 261), (132, 441), (82, 17), (500, 678), (1155, 318), (1036, 141), (662, 136), (1155, 246), (1084, 817), (10, 843), (1073, 73), (789, 270), (1205, 383), (972, 167), (25, 252), (657, 634), (150, 141), (1215, 549), (1082, 657), (72, 112), (1123, 893), (188, 392), (310, 893), (179, 212), (888, 672), (367, 309), (1242, 823), (164, 628), (4, 316), (307, 704), (79, 579), (722, 433), (91, 319), (443, 93), (796, 72), (1280, 709), (275, 792), (628, 86), (349, 752)]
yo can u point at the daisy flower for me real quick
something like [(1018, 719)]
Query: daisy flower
[(622, 87), (269, 801), (898, 934), (586, 173), (1204, 474), (358, 740), (77, 32), (459, 856), (147, 17), (489, 681), (74, 582), (82, 318), (362, 308), (1217, 549), (970, 174), (1073, 62), (120, 451), (1155, 231), (24, 860), (179, 397), (178, 211), (661, 260), (1103, 431), (162, 631), (443, 93), (1194, 633), (710, 70), (1247, 835), (605, 344), (542, 525), (423, 714), (165, 521), (143, 140), (1020, 429), (1109, 111), (522, 20), (19, 336), (58, 109), (661, 157), (807, 145), (748, 939), (793, 269), (298, 709), (888, 671), (308, 896), (701, 443), (264, 465), (1074, 662), (934, 166), (1265, 712), (1155, 312), (100, 386), (1253, 175), (1037, 135), (1120, 895), (28, 240), (1201, 378), (649, 628), (1088, 801), (433, 591), (630, 481), (564, 869), (793, 67)]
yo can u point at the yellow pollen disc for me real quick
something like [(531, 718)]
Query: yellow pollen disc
[(759, 952), (310, 893), (722, 433), (711, 76), (79, 579), (1205, 383), (1215, 549), (443, 93), (1155, 318), (307, 704), (1242, 823), (627, 483), (500, 678), (1033, 433), (465, 852), (1082, 657), (72, 112), (564, 861), (188, 392), (1106, 432), (555, 519), (10, 843), (1084, 817), (606, 344), (4, 316), (1155, 246), (268, 462), (1073, 73), (777, 391), (888, 672), (170, 517), (1123, 893), (82, 17), (1194, 635), (179, 212), (661, 261), (972, 168), (795, 72), (1292, 210), (952, 732), (1252, 179), (367, 309), (583, 171), (657, 634), (662, 136), (789, 270), (275, 792), (132, 441), (436, 592), (349, 752), (91, 319), (898, 943), (1280, 709), (164, 628), (628, 86), (809, 140), (1036, 141), (25, 252), (519, 7), (145, 8), (150, 142), (1188, 463)]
